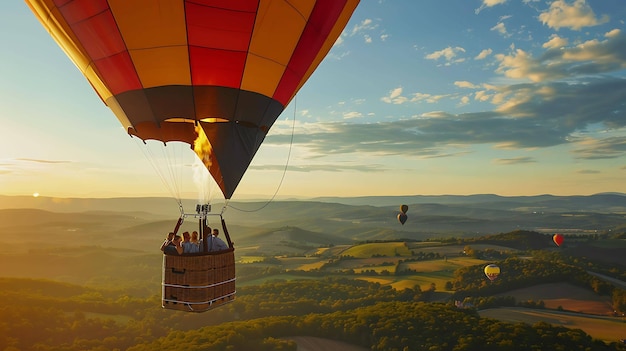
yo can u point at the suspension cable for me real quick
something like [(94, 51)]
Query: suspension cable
[(282, 178), (171, 186)]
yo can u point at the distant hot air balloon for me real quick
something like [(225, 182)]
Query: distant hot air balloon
[(492, 271), (404, 208), (558, 239), (402, 217)]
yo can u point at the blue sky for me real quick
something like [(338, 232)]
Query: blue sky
[(510, 97)]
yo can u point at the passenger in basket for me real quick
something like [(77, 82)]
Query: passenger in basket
[(175, 249), (168, 241), (215, 243), (194, 238), (188, 246)]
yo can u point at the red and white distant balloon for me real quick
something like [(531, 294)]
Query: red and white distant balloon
[(558, 239)]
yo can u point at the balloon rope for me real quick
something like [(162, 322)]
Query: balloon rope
[(282, 178), (171, 186)]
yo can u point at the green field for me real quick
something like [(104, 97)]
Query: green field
[(378, 249), (448, 265)]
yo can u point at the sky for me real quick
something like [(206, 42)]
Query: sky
[(426, 97)]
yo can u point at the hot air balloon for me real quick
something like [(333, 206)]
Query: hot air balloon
[(404, 208), (558, 239), (212, 74), (492, 271), (402, 217)]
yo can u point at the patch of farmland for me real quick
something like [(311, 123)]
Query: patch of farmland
[(450, 264), (391, 268), (302, 263), (455, 250), (424, 281), (608, 329), (377, 249), (366, 262), (565, 295)]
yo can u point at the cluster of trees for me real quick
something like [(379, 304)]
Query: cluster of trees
[(358, 312), (385, 326)]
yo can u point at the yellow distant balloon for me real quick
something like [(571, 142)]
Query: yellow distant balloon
[(492, 271)]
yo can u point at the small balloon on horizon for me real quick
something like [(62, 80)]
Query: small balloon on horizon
[(402, 217)]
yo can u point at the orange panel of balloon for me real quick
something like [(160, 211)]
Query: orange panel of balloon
[(214, 74)]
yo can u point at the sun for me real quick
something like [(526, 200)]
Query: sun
[(35, 194)]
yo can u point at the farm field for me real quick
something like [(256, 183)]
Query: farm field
[(567, 296), (382, 269), (608, 329)]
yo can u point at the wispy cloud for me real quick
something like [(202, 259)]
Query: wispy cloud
[(483, 54), (575, 16), (322, 167), (41, 161), (514, 161), (590, 57), (396, 97), (530, 116), (611, 147), (587, 171), (489, 3), (449, 54)]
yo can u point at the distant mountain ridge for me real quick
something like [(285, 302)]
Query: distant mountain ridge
[(346, 219)]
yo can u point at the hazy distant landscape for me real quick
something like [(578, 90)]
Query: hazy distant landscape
[(298, 256)]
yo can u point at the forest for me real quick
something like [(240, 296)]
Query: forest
[(333, 304)]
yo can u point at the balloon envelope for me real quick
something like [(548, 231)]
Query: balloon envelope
[(402, 217), (492, 271), (404, 208), (558, 239), (214, 74)]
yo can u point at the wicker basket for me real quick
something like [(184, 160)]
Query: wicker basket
[(198, 282)]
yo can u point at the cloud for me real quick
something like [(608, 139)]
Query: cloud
[(449, 54), (514, 161), (41, 161), (353, 114), (575, 16), (500, 28), (555, 42), (607, 148), (530, 116), (588, 58), (465, 84), (483, 54), (335, 167), (364, 28), (395, 97), (587, 171), (488, 3)]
